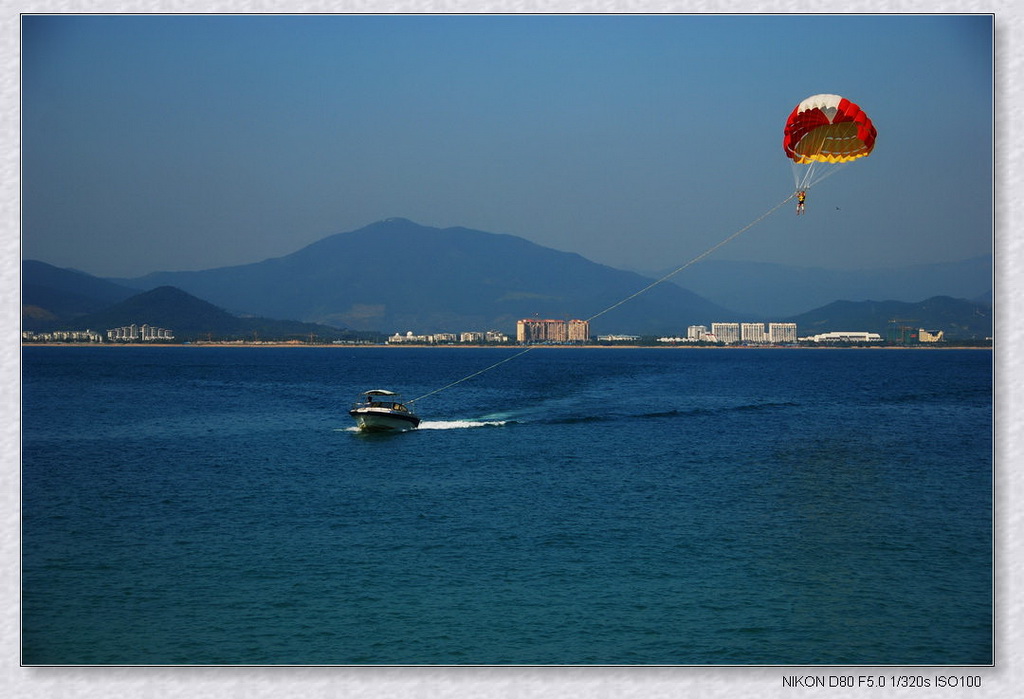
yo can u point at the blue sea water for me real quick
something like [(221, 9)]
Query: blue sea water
[(191, 505)]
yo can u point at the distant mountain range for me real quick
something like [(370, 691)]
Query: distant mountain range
[(54, 298), (51, 294), (396, 276), (958, 319), (771, 291)]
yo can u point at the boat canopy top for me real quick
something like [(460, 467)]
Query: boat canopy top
[(379, 392)]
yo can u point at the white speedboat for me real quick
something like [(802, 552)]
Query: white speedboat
[(381, 411)]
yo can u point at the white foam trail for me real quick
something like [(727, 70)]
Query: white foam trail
[(459, 424), (503, 416), (439, 425)]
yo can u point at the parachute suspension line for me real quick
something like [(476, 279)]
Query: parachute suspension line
[(697, 259), (806, 174), (812, 175), (647, 288), (832, 169), (799, 175)]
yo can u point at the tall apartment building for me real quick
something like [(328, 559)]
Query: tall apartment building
[(538, 330), (726, 332), (781, 332), (752, 332), (578, 330)]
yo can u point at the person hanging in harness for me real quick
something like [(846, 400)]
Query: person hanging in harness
[(801, 197)]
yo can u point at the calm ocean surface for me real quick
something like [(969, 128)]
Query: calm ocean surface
[(190, 505)]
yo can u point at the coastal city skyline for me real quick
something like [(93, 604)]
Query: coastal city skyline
[(532, 331)]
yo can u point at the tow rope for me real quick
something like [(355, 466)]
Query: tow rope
[(615, 305)]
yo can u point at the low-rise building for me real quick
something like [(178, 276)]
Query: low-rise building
[(62, 336), (139, 333), (409, 338), (844, 336)]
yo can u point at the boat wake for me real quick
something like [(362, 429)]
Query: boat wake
[(435, 425), (529, 417), (462, 424)]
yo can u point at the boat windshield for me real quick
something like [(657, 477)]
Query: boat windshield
[(385, 404)]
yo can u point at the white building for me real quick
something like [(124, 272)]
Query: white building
[(726, 332), (753, 332), (697, 333), (618, 338), (145, 333), (62, 336), (779, 333), (844, 336), (408, 337)]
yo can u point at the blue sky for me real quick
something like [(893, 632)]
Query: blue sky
[(190, 142)]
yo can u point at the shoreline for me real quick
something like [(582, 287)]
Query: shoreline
[(290, 345)]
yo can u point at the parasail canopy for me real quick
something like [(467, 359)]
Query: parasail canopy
[(828, 129)]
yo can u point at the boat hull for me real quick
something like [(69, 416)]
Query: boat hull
[(382, 420)]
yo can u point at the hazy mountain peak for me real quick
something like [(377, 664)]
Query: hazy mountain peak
[(396, 273)]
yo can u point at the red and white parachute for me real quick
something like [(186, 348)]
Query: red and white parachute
[(824, 132)]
